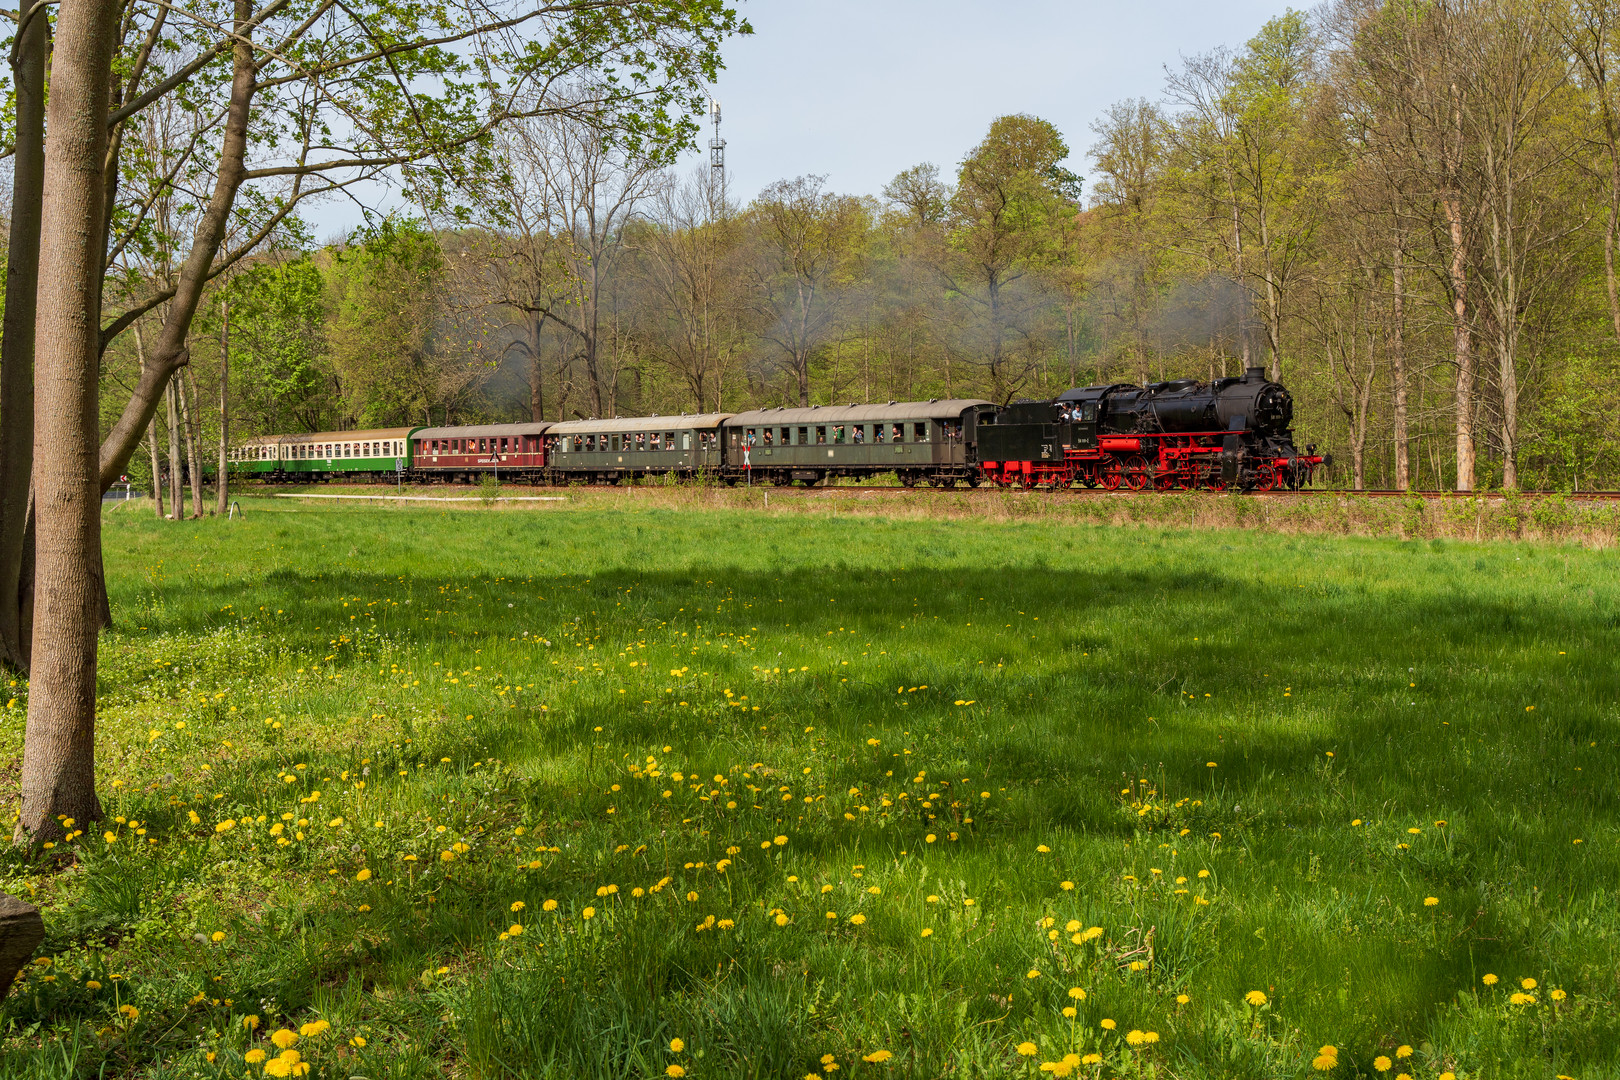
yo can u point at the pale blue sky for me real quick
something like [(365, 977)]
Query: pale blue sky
[(862, 90)]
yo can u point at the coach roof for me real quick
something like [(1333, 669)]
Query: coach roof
[(640, 423), (943, 409), (478, 430)]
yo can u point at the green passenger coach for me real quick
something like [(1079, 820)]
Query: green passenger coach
[(610, 450), (326, 455)]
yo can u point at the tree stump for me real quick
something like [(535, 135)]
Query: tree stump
[(21, 931)]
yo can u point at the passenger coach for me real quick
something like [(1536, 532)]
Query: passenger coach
[(916, 440), (461, 454), (607, 451)]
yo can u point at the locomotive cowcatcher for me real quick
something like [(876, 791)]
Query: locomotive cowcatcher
[(1233, 432)]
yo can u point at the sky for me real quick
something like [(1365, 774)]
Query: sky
[(862, 90), (858, 91)]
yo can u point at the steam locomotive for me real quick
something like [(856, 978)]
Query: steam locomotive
[(1165, 436), (1184, 434)]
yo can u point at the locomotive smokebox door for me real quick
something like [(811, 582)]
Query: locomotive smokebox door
[(1231, 453)]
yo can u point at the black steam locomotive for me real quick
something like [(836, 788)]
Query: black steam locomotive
[(1170, 435)]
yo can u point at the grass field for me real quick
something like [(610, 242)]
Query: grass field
[(612, 793)]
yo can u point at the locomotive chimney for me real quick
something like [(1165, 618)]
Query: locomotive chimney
[(1254, 374)]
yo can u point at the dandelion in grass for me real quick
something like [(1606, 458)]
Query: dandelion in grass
[(781, 919), (1077, 994), (1091, 1059), (1107, 1025), (1069, 1012), (1256, 998), (1136, 1038), (1182, 999), (1520, 998), (283, 1038), (674, 1070), (1431, 901), (1527, 984), (254, 1056), (314, 1029), (928, 931), (1381, 1063), (129, 1012), (877, 1057), (1557, 995), (588, 913), (1402, 1051), (677, 1045), (217, 936), (1028, 1049), (1490, 980)]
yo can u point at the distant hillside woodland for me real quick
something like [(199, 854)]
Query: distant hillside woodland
[(1406, 211)]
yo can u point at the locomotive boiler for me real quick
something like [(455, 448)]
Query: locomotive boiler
[(1185, 434)]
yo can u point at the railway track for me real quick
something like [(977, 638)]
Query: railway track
[(1078, 492)]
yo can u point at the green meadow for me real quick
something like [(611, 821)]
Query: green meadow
[(619, 793)]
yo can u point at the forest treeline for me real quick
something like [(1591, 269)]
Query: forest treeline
[(1405, 211)]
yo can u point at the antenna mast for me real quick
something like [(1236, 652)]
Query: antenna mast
[(717, 149)]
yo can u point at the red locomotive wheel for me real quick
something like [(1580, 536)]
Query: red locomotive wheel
[(1265, 478), (1136, 472), (1214, 482), (1112, 476), (1187, 481)]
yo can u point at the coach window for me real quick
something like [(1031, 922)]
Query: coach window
[(821, 435), (838, 433), (877, 432), (750, 437), (899, 433), (804, 436), (686, 440), (859, 433), (770, 437), (787, 436), (655, 441)]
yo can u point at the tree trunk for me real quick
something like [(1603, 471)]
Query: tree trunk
[(152, 431), (1462, 343), (58, 770), (186, 387), (221, 479), (17, 343), (169, 353), (177, 487), (1397, 359), (157, 470)]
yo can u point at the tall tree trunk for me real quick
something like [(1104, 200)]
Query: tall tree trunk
[(186, 387), (17, 343), (1397, 360), (157, 469), (58, 770), (152, 432), (537, 373), (177, 487), (1463, 346), (221, 478)]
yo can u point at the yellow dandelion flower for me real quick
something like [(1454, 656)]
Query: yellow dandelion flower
[(363, 875), (1032, 974), (1430, 901), (589, 913), (1256, 998), (1077, 993), (1402, 1051), (677, 1045), (217, 936), (254, 1056), (1135, 1038), (283, 1038), (1028, 1049), (1381, 1063), (518, 905), (1528, 984), (675, 1070), (1489, 980), (549, 905), (927, 931), (1108, 1025), (877, 1057)]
